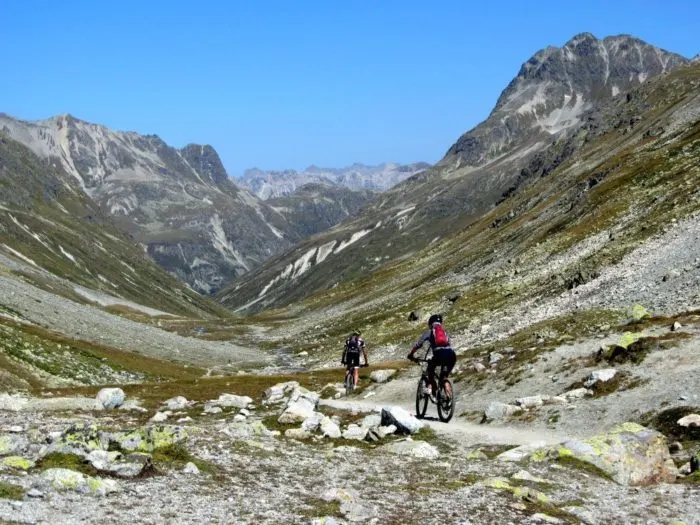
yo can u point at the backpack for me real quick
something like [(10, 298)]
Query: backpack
[(439, 336), (352, 344)]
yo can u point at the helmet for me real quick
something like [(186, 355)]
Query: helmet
[(435, 318), (356, 331)]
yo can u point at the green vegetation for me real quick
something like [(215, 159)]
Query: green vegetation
[(69, 461), (317, 507), (10, 491)]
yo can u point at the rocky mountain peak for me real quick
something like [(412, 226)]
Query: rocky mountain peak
[(555, 86)]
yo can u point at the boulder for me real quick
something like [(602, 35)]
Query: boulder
[(497, 411), (600, 376), (630, 454), (190, 468), (371, 420), (517, 454), (159, 417), (404, 422), (297, 433), (383, 431), (381, 376), (239, 417), (12, 444), (108, 398), (416, 449), (494, 358), (116, 464), (530, 401), (211, 409), (350, 507), (276, 393), (577, 393), (312, 422), (676, 326), (330, 428), (147, 439), (478, 367), (80, 439), (231, 400), (628, 338), (64, 479), (355, 432), (17, 463), (691, 420), (176, 403), (301, 405)]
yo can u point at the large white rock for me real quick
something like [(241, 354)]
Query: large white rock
[(277, 392), (530, 401), (600, 376), (110, 398), (232, 400), (176, 403), (371, 420), (497, 411), (297, 433), (355, 432), (383, 432), (312, 422), (380, 376), (330, 428), (66, 479), (301, 405), (404, 422), (578, 393), (416, 449), (691, 420)]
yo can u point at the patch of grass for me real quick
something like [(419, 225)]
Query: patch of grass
[(318, 507), (11, 491), (637, 351), (620, 382), (177, 456), (665, 422), (691, 479), (69, 461), (575, 463)]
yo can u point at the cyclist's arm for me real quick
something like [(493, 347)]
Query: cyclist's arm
[(421, 341), (364, 352)]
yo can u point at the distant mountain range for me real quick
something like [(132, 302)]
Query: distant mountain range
[(272, 184)]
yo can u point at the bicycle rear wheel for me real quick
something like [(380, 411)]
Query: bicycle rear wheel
[(445, 403), (349, 382), (421, 399)]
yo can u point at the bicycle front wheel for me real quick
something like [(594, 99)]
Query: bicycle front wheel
[(446, 403), (421, 399), (349, 382)]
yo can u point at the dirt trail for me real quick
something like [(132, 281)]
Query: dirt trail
[(401, 392)]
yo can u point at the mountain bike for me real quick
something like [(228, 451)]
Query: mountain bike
[(350, 378), (445, 403)]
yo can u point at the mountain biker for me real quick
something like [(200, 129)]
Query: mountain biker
[(443, 354), (351, 354)]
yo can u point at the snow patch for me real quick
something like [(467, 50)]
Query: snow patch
[(303, 263), (67, 255), (19, 255), (104, 299), (222, 244), (324, 251), (405, 211), (615, 91)]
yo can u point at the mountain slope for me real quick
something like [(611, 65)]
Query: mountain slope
[(275, 184), (609, 217), (56, 237), (180, 204), (549, 99)]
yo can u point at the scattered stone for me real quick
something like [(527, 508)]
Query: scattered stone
[(148, 439), (330, 428), (186, 419), (497, 411), (159, 417), (63, 479), (297, 433), (355, 432), (12, 444), (244, 412), (116, 464), (577, 393), (176, 403), (530, 402), (15, 429), (190, 468), (477, 455), (384, 431), (628, 338), (545, 518), (371, 420), (414, 316), (600, 376), (34, 493), (524, 475), (637, 312), (416, 449), (232, 401), (478, 367), (239, 417), (276, 393), (676, 326), (453, 296), (109, 398), (301, 405), (405, 423), (209, 409), (494, 357), (313, 422), (675, 447), (691, 420), (381, 376), (520, 453)]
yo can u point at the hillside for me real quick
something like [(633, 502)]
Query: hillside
[(553, 98)]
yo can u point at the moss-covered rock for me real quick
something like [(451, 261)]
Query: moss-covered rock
[(80, 439), (148, 439), (63, 479), (17, 463), (11, 444), (629, 454)]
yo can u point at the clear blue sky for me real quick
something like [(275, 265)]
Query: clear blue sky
[(285, 84)]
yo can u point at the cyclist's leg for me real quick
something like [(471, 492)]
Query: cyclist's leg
[(448, 358), (354, 364), (431, 375)]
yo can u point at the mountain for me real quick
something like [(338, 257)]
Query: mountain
[(56, 237), (179, 204), (551, 99), (272, 184), (315, 207)]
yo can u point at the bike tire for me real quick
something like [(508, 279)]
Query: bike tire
[(445, 406), (349, 382), (421, 399)]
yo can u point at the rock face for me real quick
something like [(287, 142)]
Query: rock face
[(178, 203), (630, 454)]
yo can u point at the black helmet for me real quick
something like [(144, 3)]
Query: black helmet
[(435, 318)]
